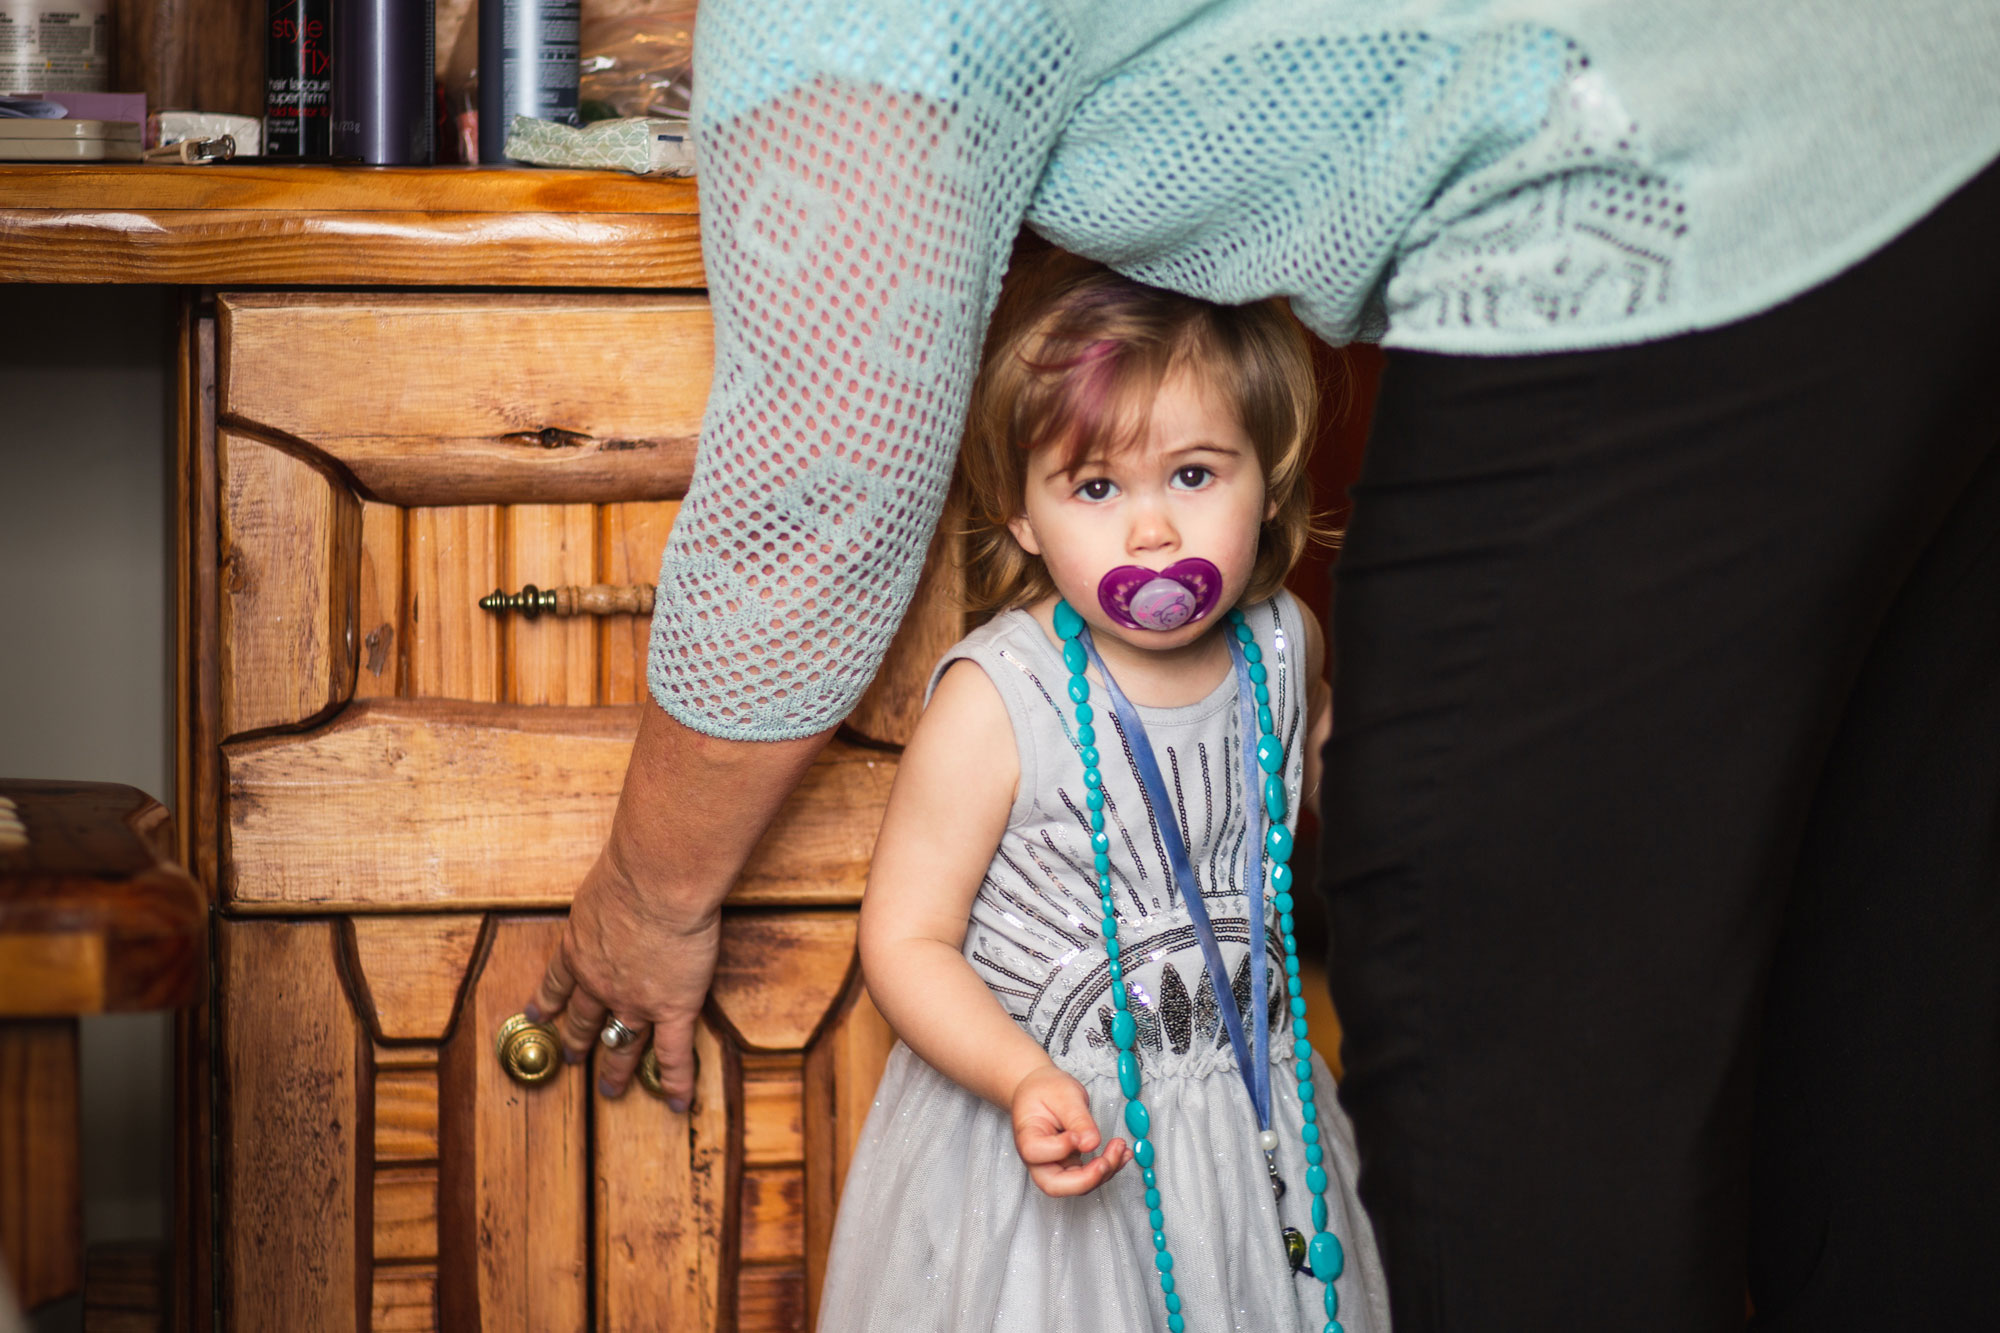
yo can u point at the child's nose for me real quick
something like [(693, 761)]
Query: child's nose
[(1152, 530)]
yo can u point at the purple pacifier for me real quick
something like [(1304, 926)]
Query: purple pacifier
[(1140, 598)]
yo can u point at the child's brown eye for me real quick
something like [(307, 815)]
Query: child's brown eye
[(1192, 477), (1097, 488)]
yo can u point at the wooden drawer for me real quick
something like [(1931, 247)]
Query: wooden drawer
[(381, 463), (429, 400)]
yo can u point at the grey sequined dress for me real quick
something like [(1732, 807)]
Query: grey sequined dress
[(940, 1229)]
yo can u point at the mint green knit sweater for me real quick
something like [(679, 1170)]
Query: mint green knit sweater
[(1476, 177)]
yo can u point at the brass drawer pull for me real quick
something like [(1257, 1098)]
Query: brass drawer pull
[(529, 1052), (595, 599)]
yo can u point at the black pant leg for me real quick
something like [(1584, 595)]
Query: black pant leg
[(1876, 1161), (1598, 623)]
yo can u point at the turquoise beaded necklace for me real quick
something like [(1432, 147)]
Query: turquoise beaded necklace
[(1323, 1255)]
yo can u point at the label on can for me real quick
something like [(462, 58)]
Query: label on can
[(55, 46)]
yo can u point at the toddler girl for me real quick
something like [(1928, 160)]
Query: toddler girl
[(1078, 918)]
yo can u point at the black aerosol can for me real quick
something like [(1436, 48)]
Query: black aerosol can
[(384, 99), (527, 67), (298, 83)]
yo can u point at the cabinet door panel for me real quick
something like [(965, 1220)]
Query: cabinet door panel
[(663, 1185), (294, 1177), (393, 753), (513, 1235)]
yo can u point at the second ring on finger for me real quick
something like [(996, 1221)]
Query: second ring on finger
[(616, 1036)]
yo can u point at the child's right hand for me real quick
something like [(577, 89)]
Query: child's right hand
[(1052, 1131)]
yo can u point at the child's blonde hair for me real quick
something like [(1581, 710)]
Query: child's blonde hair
[(1074, 357)]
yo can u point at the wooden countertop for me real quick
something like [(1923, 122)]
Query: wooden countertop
[(346, 226)]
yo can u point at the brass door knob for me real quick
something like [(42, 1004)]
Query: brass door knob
[(529, 1052), (649, 1073)]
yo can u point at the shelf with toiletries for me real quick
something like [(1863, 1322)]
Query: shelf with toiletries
[(346, 226)]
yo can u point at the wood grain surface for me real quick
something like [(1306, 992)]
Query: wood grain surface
[(631, 538), (272, 188), (406, 1114), (779, 974), (423, 571), (431, 399), (818, 849), (550, 659), (841, 1072), (771, 1299), (409, 969), (290, 554), (196, 712), (379, 604), (451, 648), (295, 1187), (773, 1111), (346, 226), (515, 1174), (405, 1213), (463, 805), (662, 1182), (859, 1043), (93, 916), (473, 805), (404, 1300), (41, 1183)]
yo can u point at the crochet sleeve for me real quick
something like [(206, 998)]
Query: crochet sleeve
[(863, 172)]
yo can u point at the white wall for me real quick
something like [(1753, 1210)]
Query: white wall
[(85, 393)]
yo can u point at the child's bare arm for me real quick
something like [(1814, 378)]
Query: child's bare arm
[(947, 811)]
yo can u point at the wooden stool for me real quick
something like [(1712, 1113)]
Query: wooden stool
[(94, 918)]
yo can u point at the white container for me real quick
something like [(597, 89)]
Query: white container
[(69, 141), (60, 45)]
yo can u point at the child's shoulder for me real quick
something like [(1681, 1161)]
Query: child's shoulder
[(1013, 633)]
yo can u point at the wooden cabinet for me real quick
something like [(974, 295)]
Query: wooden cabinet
[(393, 793)]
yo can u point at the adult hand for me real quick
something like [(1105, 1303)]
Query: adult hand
[(645, 924), (631, 954), (1053, 1128)]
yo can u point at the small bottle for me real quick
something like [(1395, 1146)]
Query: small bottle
[(298, 84), (384, 81), (527, 67)]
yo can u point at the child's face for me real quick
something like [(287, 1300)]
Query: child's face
[(1190, 488)]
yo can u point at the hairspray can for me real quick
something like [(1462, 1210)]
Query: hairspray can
[(61, 46), (298, 84), (527, 67), (383, 80)]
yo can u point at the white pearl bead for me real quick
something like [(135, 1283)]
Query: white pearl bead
[(1268, 1140)]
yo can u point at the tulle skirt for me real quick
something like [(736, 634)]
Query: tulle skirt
[(941, 1231)]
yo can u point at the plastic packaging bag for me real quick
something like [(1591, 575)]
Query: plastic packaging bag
[(638, 64)]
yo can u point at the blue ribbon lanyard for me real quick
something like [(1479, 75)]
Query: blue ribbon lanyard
[(1255, 1068)]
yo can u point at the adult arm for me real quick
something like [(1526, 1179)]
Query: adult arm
[(858, 207)]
